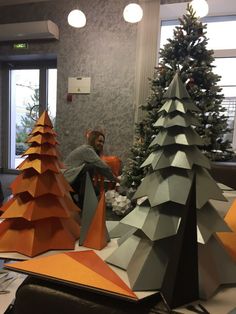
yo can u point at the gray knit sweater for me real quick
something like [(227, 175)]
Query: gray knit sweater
[(83, 154)]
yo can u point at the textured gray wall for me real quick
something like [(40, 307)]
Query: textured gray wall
[(104, 50)]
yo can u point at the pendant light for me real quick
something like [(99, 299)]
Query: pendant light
[(76, 18), (200, 7), (133, 13)]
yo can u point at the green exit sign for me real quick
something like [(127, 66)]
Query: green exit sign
[(20, 46)]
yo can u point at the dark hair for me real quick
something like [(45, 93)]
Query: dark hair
[(93, 135)]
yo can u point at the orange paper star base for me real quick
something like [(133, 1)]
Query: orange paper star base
[(85, 269)]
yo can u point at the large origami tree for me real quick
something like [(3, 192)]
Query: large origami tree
[(186, 51), (41, 215), (175, 224)]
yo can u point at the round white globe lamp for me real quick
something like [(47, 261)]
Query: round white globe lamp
[(133, 13), (200, 7), (76, 18)]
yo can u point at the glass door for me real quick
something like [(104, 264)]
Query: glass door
[(31, 91), (24, 104)]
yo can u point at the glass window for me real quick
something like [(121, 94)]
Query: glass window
[(217, 30), (24, 103), (226, 67), (219, 33), (52, 93)]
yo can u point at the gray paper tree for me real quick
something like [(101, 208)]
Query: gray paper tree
[(174, 224)]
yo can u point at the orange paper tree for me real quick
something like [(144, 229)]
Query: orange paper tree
[(41, 214)]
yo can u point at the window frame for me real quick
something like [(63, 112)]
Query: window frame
[(7, 66)]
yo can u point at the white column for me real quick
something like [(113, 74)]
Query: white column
[(146, 53)]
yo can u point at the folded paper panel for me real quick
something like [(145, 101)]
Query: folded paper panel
[(42, 150), (42, 129), (44, 120), (38, 185), (120, 230), (152, 158), (160, 225), (205, 231), (229, 242), (186, 120), (41, 216), (177, 89), (171, 136), (123, 254), (145, 258), (212, 191), (230, 217), (42, 139), (40, 164), (96, 237), (33, 238), (70, 268), (89, 209), (216, 267), (35, 209)]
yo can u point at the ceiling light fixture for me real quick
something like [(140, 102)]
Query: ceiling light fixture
[(76, 18), (133, 13), (200, 7)]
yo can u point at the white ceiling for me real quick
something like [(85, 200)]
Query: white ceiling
[(11, 2)]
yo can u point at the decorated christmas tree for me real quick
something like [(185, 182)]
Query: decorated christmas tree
[(41, 215), (187, 52), (174, 224)]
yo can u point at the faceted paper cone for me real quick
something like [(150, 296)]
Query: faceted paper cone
[(41, 215)]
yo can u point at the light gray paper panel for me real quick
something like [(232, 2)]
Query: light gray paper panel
[(181, 160), (122, 255), (209, 279), (174, 188), (180, 157), (89, 209), (119, 230), (172, 105), (206, 188), (147, 267), (215, 267), (198, 158), (176, 89), (183, 136), (136, 218), (123, 238), (159, 225), (177, 120), (205, 230), (153, 157), (182, 106), (149, 180), (161, 188)]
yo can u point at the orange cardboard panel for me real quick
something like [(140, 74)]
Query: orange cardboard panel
[(39, 208), (33, 238), (84, 269), (44, 120), (229, 241), (38, 185), (40, 164), (230, 217), (44, 149), (96, 237), (42, 139), (43, 129)]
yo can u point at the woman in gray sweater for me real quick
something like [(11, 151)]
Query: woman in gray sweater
[(86, 159)]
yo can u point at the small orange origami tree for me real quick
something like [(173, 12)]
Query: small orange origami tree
[(41, 214)]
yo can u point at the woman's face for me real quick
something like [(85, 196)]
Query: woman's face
[(99, 143)]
